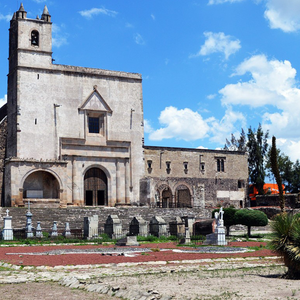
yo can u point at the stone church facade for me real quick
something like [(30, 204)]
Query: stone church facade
[(75, 137)]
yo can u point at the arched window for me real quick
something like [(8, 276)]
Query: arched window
[(35, 38)]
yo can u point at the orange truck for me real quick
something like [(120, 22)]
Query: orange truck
[(269, 189)]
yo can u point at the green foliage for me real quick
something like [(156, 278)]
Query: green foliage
[(237, 144), (286, 241), (275, 171), (228, 215), (257, 148), (155, 239), (289, 171), (250, 218)]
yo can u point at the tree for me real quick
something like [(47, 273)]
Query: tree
[(235, 144), (250, 218), (275, 171), (257, 146), (286, 241), (289, 171), (229, 213)]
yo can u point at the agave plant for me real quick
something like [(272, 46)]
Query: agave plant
[(286, 242)]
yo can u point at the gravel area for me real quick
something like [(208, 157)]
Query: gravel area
[(157, 272)]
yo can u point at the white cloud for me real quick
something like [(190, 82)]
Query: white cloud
[(211, 2), (219, 42), (153, 17), (283, 14), (58, 38), (228, 124), (290, 147), (7, 17), (211, 96), (270, 79), (139, 39), (182, 124), (3, 100), (97, 11), (147, 126), (273, 84)]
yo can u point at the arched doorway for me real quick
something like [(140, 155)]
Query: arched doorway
[(41, 185), (167, 198), (183, 196), (95, 187)]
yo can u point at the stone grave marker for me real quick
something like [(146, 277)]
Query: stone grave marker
[(7, 232), (67, 231), (158, 226), (177, 227), (38, 231), (54, 232), (113, 227), (90, 227), (138, 226)]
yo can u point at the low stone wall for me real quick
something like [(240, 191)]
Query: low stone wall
[(75, 216), (291, 200)]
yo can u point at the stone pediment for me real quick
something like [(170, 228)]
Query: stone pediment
[(95, 102)]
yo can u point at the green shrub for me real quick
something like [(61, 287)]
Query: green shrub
[(286, 242), (249, 217)]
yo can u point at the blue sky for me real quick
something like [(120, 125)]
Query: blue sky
[(209, 67)]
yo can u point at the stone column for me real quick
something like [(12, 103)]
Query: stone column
[(118, 200), (127, 181), (76, 199)]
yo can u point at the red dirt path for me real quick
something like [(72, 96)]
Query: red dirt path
[(98, 258)]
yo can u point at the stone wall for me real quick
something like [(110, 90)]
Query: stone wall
[(3, 135), (291, 200), (199, 171), (75, 216)]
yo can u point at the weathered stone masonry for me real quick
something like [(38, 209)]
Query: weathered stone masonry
[(75, 138)]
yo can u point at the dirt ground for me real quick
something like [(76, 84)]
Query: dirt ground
[(246, 283), (179, 276)]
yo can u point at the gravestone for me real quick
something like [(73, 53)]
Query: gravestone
[(187, 236), (54, 232), (218, 237), (28, 229), (158, 226), (189, 222), (177, 227), (128, 241), (138, 226), (204, 226), (90, 227), (7, 233), (38, 232), (113, 227), (67, 232)]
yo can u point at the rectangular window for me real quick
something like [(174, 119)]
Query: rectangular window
[(94, 125), (220, 165)]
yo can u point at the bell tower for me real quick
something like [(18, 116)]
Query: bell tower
[(30, 49), (30, 40)]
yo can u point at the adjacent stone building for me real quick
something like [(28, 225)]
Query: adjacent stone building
[(75, 137), (180, 177)]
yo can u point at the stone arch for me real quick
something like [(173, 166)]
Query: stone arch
[(165, 195), (183, 195), (96, 186), (35, 38), (41, 184)]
